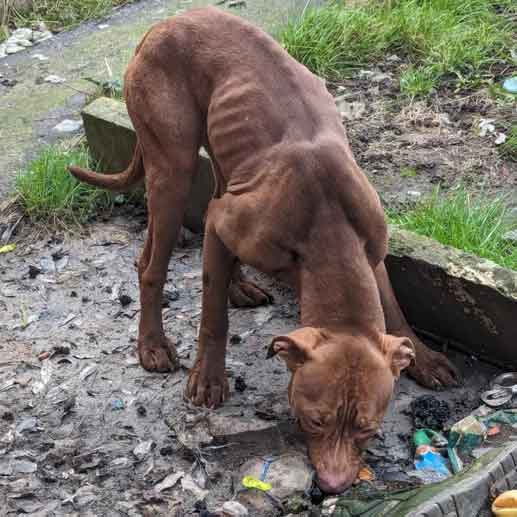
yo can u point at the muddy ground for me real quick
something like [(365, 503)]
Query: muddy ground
[(410, 148), (74, 403), (85, 431)]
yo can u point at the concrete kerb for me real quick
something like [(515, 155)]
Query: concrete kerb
[(458, 297)]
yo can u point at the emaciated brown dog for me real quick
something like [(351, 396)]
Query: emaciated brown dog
[(292, 202)]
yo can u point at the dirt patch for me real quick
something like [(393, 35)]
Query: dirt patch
[(409, 148), (85, 429)]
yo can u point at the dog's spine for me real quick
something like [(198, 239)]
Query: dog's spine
[(116, 182)]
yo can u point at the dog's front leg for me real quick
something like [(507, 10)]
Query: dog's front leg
[(207, 384)]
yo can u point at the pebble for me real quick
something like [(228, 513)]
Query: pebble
[(54, 79), (23, 38), (511, 236), (234, 509), (68, 126), (143, 449)]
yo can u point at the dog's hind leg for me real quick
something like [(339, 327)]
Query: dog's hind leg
[(170, 156), (431, 369), (245, 293)]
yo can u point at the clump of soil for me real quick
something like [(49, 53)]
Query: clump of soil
[(429, 412)]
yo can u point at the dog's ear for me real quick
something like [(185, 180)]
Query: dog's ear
[(399, 352), (296, 347)]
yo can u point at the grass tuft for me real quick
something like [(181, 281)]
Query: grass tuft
[(58, 15), (49, 193), (458, 40), (461, 220)]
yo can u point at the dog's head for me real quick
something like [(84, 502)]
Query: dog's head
[(340, 388)]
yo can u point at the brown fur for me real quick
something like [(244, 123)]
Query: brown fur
[(292, 202)]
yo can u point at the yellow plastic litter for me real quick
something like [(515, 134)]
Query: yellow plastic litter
[(505, 505), (252, 482), (7, 248)]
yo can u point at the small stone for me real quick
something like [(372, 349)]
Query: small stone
[(511, 236), (143, 449), (103, 26), (141, 411), (39, 57), (40, 36), (24, 467), (54, 79), (12, 48), (20, 34), (414, 194), (351, 110), (24, 43), (169, 481), (68, 126), (234, 509)]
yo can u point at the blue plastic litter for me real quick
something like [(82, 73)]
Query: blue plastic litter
[(510, 84), (433, 461)]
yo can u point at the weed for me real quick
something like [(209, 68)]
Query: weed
[(455, 40), (509, 149), (408, 172), (471, 223), (48, 192)]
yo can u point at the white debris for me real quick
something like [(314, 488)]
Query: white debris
[(486, 125), (40, 57), (68, 126), (188, 484), (103, 26), (143, 449), (169, 481), (500, 139), (54, 79)]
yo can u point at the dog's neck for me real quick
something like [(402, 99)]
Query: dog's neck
[(337, 288)]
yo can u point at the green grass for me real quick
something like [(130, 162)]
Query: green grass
[(60, 14), (454, 40), (509, 149), (462, 220), (49, 193)]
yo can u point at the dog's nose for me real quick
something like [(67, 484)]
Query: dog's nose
[(335, 483)]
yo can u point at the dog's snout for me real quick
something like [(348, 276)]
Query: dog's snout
[(335, 483)]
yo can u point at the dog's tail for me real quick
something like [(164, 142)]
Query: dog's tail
[(116, 182)]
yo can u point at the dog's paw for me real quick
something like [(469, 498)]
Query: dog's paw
[(158, 356), (433, 370), (207, 386), (247, 294)]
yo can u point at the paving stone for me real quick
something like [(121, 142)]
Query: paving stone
[(111, 139), (448, 507), (508, 464), (455, 295), (511, 479)]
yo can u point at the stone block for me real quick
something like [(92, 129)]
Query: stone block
[(511, 479), (433, 511), (466, 300), (111, 139)]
